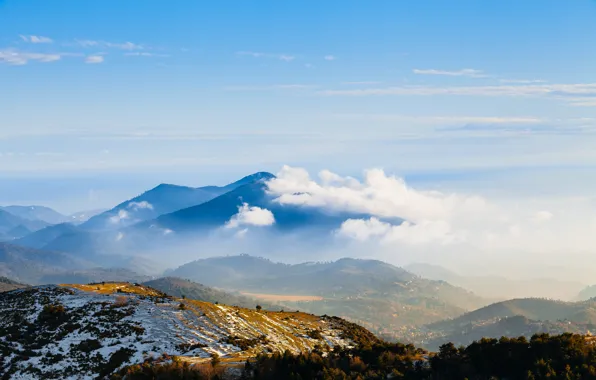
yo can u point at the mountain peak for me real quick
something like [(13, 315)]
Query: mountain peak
[(258, 176)]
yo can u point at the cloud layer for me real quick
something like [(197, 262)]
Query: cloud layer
[(437, 219)]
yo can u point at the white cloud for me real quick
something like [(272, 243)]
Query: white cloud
[(458, 224), (281, 57), (124, 46), (87, 43), (330, 58), (36, 39), (407, 233), (522, 81), (290, 86), (581, 94), (94, 59), (112, 45), (17, 58), (144, 54), (364, 229), (122, 214), (542, 216), (472, 73), (582, 102), (135, 206), (379, 195), (446, 120), (120, 236), (358, 83), (251, 216), (241, 233)]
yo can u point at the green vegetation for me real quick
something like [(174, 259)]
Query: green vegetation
[(566, 356)]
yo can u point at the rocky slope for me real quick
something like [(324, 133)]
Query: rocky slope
[(91, 331)]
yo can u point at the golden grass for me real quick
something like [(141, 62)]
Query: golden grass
[(283, 297), (113, 287), (289, 326)]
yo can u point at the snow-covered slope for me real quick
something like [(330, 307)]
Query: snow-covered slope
[(86, 331)]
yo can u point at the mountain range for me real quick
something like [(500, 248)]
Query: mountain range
[(168, 215), (163, 199), (13, 226), (376, 294), (512, 318)]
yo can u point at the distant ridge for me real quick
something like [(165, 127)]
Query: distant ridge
[(37, 213), (7, 284), (10, 224)]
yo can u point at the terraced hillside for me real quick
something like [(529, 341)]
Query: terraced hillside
[(89, 331)]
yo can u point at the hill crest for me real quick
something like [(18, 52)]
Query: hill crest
[(108, 326)]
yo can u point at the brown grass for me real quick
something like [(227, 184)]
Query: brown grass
[(113, 287), (282, 297)]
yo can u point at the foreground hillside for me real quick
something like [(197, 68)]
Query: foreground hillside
[(89, 331)]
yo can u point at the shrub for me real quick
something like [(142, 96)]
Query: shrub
[(121, 301)]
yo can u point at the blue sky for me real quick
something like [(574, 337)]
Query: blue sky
[(114, 96)]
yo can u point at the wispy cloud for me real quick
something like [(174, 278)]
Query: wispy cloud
[(291, 86), (358, 83), (94, 59), (281, 57), (36, 39), (582, 102), (17, 58), (447, 120), (145, 54), (112, 45), (472, 73), (581, 94), (522, 81), (330, 58)]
